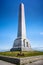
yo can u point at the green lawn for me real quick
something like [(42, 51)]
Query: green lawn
[(25, 54)]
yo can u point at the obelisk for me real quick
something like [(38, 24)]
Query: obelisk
[(21, 43), (21, 22)]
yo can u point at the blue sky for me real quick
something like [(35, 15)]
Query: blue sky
[(9, 10)]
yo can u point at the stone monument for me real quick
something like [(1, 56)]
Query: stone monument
[(21, 43)]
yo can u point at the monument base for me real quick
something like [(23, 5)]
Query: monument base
[(21, 44), (15, 49)]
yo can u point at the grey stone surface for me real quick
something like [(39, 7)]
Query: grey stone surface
[(21, 43), (5, 63), (10, 59), (21, 61), (39, 62), (30, 59)]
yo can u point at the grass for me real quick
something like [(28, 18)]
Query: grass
[(26, 54)]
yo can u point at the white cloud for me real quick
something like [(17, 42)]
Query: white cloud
[(41, 33)]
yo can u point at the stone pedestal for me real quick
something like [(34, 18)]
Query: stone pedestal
[(21, 44)]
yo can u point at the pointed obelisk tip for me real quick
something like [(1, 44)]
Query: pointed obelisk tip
[(21, 3)]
